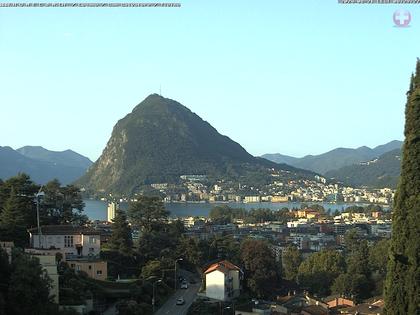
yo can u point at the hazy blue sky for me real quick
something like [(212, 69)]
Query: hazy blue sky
[(295, 77)]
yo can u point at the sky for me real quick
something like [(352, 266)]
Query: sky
[(294, 77)]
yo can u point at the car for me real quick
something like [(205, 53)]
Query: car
[(184, 285), (180, 301)]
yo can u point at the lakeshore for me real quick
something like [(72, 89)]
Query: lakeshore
[(97, 209)]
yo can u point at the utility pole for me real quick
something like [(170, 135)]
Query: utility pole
[(38, 195), (154, 290), (175, 281)]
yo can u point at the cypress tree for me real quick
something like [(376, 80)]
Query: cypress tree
[(402, 290)]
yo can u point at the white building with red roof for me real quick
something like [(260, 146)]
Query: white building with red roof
[(223, 280)]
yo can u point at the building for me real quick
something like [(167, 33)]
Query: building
[(111, 211), (7, 247), (95, 269), (280, 199), (75, 241), (376, 214), (301, 304), (307, 214), (193, 178), (189, 222), (375, 308), (59, 254), (49, 265), (252, 199), (78, 246), (381, 230), (314, 310), (277, 252), (223, 281), (338, 301)]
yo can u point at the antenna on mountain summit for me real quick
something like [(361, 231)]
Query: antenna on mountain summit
[(160, 90)]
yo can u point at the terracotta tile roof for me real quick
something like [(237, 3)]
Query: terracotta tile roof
[(365, 309), (314, 310), (223, 266)]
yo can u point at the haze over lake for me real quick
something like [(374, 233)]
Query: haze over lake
[(97, 209)]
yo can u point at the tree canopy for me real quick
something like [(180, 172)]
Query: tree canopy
[(261, 269), (121, 239), (318, 271), (402, 290), (291, 260), (18, 207), (147, 213), (27, 289)]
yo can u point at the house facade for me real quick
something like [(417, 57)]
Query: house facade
[(95, 269), (73, 240), (78, 246), (49, 265), (223, 281)]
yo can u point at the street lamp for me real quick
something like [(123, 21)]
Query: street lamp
[(154, 289), (232, 307), (176, 261)]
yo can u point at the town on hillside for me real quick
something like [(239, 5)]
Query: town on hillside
[(235, 261), (198, 188), (210, 157)]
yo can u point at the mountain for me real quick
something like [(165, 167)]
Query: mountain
[(42, 165), (159, 141), (67, 157), (280, 158), (335, 159), (377, 173), (390, 146)]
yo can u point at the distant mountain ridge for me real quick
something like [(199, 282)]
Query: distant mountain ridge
[(42, 165), (380, 172), (335, 159), (67, 157), (160, 140)]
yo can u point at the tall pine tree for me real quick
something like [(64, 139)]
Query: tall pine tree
[(121, 240), (402, 290), (18, 214)]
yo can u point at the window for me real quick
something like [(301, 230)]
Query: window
[(68, 241), (72, 265), (92, 240), (91, 249), (98, 272), (90, 267), (78, 267)]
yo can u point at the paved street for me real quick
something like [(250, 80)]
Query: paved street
[(170, 307), (112, 310)]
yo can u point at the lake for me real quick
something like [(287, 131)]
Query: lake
[(97, 209)]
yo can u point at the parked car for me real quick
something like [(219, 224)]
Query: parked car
[(180, 301), (184, 285)]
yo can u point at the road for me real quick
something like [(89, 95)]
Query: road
[(189, 295), (111, 310)]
